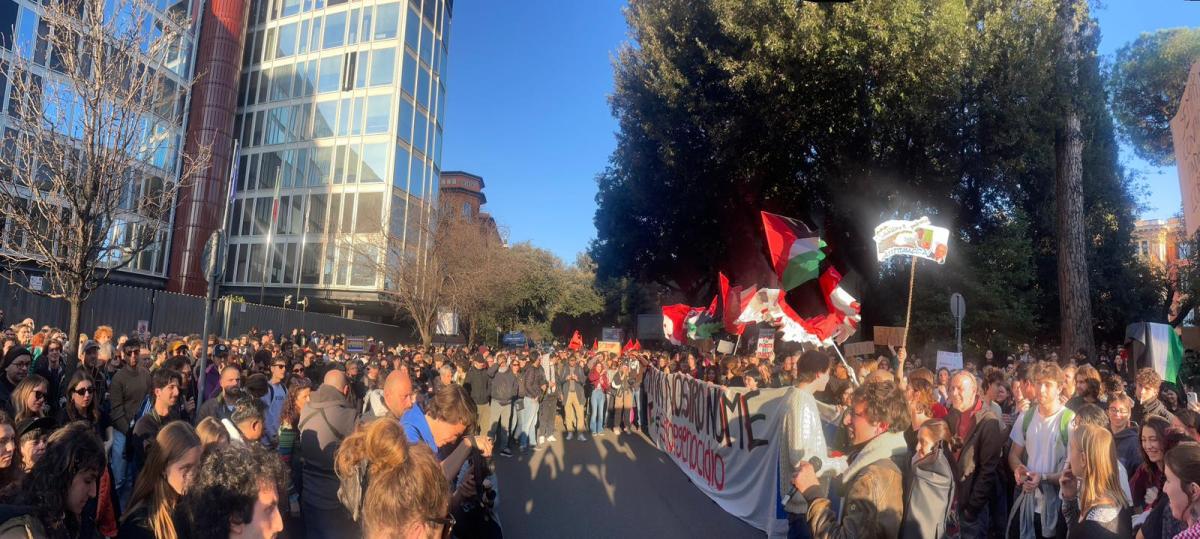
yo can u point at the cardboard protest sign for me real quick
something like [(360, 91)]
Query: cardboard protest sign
[(865, 348), (889, 336), (950, 360), (913, 238)]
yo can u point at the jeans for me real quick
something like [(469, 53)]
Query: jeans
[(637, 408), (116, 458), (598, 411), (502, 420), (546, 410), (573, 411), (527, 421)]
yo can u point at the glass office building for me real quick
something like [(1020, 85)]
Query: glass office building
[(340, 110), (22, 31)]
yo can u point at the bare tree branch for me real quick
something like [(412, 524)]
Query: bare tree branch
[(88, 170)]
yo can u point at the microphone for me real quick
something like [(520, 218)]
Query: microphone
[(816, 463)]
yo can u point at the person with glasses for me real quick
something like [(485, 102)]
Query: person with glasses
[(871, 488), (83, 405), (29, 398), (126, 397), (393, 489), (50, 366), (275, 399), (15, 367)]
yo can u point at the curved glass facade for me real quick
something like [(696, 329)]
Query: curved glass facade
[(340, 121)]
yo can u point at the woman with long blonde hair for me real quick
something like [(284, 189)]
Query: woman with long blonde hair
[(1094, 505), (392, 489), (168, 472)]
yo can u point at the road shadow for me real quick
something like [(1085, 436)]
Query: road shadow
[(608, 486)]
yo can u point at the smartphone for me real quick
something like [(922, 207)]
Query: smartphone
[(1191, 397)]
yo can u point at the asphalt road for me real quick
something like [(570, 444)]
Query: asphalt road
[(608, 486)]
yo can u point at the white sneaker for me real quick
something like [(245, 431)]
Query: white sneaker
[(582, 437), (570, 436), (552, 438), (617, 430), (541, 440)]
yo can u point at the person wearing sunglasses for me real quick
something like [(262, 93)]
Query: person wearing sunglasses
[(84, 405), (50, 366), (126, 393), (29, 398)]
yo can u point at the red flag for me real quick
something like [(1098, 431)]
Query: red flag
[(637, 345), (673, 327), (628, 347), (595, 344), (731, 305), (576, 341)]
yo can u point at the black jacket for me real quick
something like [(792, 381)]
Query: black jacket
[(479, 385), (978, 466), (504, 387), (1148, 409)]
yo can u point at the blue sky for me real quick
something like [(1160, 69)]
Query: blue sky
[(527, 107)]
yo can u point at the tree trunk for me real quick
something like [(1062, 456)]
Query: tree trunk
[(73, 316), (1074, 294)]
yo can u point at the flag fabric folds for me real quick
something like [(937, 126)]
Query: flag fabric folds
[(576, 341), (673, 322), (795, 250), (1164, 351)]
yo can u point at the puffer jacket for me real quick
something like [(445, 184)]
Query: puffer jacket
[(979, 461), (872, 493)]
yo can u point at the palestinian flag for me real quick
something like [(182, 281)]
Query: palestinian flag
[(673, 322), (1164, 350), (795, 250), (703, 323)]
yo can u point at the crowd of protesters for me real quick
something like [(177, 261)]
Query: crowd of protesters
[(128, 435), (304, 435), (1024, 448)]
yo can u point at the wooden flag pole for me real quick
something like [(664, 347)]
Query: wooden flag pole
[(912, 278)]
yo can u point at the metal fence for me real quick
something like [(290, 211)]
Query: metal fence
[(124, 307)]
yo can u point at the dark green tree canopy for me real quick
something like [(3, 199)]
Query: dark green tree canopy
[(845, 115), (1147, 82)]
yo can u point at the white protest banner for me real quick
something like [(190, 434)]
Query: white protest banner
[(726, 439), (950, 360), (914, 238)]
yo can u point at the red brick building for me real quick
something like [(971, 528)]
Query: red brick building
[(461, 196)]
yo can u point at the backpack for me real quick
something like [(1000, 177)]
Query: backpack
[(1064, 422)]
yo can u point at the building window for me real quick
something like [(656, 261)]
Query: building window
[(1143, 248), (466, 209)]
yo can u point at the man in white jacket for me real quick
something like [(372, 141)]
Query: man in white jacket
[(803, 437)]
